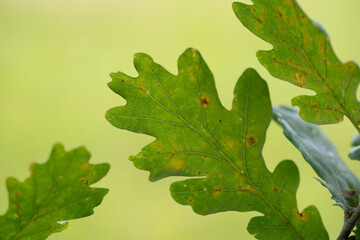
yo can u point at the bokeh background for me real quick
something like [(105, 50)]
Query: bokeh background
[(55, 57)]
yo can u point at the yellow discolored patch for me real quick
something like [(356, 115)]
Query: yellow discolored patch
[(300, 79), (239, 175), (250, 140), (217, 191), (142, 90), (205, 101), (242, 189), (230, 144), (85, 166), (32, 168), (197, 69), (289, 2), (350, 65), (175, 164), (290, 61), (192, 77)]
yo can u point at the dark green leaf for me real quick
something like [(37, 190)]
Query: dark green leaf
[(56, 191), (303, 56), (220, 149), (320, 153)]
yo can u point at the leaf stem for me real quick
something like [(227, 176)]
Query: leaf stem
[(349, 224)]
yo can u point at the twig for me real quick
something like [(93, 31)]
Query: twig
[(349, 224)]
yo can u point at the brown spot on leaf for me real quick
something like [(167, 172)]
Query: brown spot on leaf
[(337, 118), (205, 101), (250, 140), (300, 79), (293, 63), (288, 20), (277, 60), (254, 10), (49, 227), (298, 213), (142, 89), (17, 194), (258, 19), (191, 199), (275, 189), (197, 69), (81, 179)]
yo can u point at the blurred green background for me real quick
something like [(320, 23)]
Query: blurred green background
[(55, 57)]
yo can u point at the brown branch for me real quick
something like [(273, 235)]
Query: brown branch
[(349, 224)]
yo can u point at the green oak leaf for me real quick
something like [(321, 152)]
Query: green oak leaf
[(220, 149), (57, 191), (355, 152), (321, 154), (303, 56)]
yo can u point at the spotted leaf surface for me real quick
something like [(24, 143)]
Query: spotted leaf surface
[(218, 149), (321, 154), (57, 191), (303, 56)]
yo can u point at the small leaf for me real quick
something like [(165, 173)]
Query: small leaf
[(220, 149), (355, 152), (303, 56), (356, 140), (56, 191), (320, 153)]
